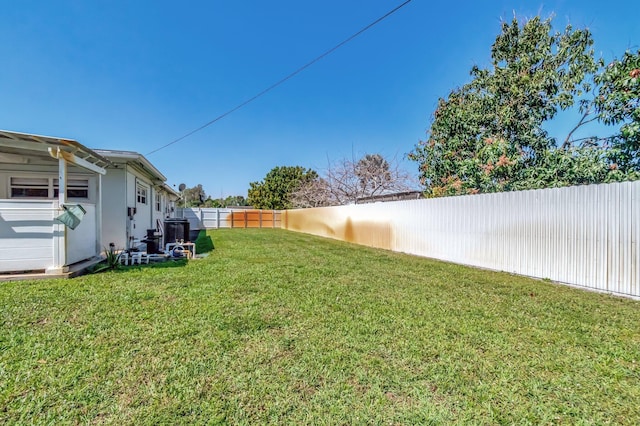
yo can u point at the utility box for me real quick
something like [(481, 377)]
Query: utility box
[(153, 241), (176, 230)]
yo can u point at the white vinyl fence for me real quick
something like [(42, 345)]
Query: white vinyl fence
[(584, 235)]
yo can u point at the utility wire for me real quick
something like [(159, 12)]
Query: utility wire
[(273, 86)]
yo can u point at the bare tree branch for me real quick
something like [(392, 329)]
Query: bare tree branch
[(582, 122), (346, 181)]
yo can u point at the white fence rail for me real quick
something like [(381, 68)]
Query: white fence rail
[(214, 218), (585, 235)]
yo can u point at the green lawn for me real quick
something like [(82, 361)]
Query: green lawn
[(278, 327)]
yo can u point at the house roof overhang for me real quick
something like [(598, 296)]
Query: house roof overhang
[(16, 144), (132, 157)]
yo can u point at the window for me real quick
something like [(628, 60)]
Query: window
[(141, 193), (44, 187), (158, 202), (76, 188), (30, 187)]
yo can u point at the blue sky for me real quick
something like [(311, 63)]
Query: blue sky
[(137, 75)]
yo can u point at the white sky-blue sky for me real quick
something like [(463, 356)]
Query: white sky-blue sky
[(137, 75)]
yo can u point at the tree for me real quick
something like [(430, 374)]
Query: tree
[(488, 135), (373, 173), (618, 103), (235, 200), (213, 203), (194, 197), (231, 200), (313, 193), (274, 192), (347, 181)]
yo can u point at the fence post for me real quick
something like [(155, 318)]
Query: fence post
[(218, 218), (260, 217), (245, 218)]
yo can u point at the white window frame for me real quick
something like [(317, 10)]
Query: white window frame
[(142, 194), (74, 188), (158, 202), (25, 183)]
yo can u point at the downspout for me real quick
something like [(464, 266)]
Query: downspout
[(99, 216)]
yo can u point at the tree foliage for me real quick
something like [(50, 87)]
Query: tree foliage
[(197, 197), (488, 135), (230, 201), (194, 197), (618, 103), (274, 192), (347, 181)]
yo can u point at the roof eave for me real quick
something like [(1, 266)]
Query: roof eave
[(134, 157), (40, 143)]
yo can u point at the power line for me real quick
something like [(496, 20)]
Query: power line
[(278, 83)]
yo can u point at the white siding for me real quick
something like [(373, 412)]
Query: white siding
[(119, 194), (114, 208), (142, 219), (81, 242), (158, 216)]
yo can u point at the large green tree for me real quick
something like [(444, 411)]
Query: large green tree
[(275, 190), (488, 135)]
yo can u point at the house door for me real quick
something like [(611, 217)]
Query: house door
[(142, 218)]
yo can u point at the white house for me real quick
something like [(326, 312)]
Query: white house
[(135, 199), (40, 176), (44, 179)]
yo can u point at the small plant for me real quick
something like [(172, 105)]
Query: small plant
[(112, 257), (111, 261)]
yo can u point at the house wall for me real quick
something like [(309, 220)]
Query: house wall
[(163, 212), (119, 195), (81, 242), (125, 218), (142, 219), (114, 208)]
